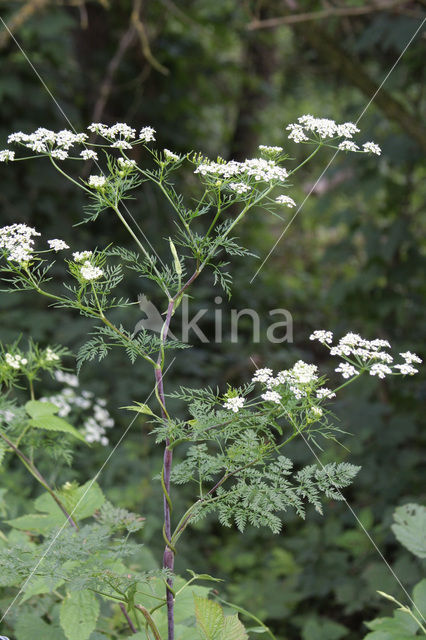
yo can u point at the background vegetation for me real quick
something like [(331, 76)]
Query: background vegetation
[(222, 77)]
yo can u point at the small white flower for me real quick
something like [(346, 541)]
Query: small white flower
[(169, 155), (89, 154), (323, 392), (121, 144), (289, 202), (90, 272), (406, 369), (234, 404), (347, 129), (7, 156), (81, 256), (17, 242), (317, 411), (371, 147), (380, 370), (67, 378), (348, 145), (51, 356), (411, 357), (262, 375), (296, 133), (270, 150), (57, 245), (325, 337), (126, 164), (272, 396), (347, 370), (97, 181), (59, 154), (147, 134), (239, 187)]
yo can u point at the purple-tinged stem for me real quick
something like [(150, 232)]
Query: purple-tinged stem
[(126, 615)]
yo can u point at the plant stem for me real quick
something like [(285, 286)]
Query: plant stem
[(37, 475), (126, 615), (150, 622)]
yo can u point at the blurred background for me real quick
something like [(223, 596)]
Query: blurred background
[(221, 78)]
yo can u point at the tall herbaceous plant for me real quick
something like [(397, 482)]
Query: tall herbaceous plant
[(231, 445)]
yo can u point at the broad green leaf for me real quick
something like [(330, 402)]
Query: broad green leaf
[(37, 409), (38, 585), (419, 597), (79, 613), (323, 629), (53, 423), (82, 502), (140, 407), (203, 576), (29, 627), (210, 618), (233, 629), (410, 528)]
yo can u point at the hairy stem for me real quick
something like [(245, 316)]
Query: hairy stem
[(126, 615)]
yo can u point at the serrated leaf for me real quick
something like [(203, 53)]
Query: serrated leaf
[(29, 626), (210, 618), (54, 423), (78, 615), (233, 629), (140, 407), (36, 408), (419, 597), (410, 528)]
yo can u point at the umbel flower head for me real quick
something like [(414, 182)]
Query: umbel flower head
[(17, 242)]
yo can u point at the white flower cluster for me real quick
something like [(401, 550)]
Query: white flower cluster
[(88, 154), (90, 272), (169, 155), (239, 187), (81, 256), (15, 361), (286, 200), (234, 404), (46, 141), (297, 380), (51, 356), (118, 131), (68, 401), (97, 182), (57, 245), (123, 163), (270, 150), (147, 134), (302, 130), (258, 168), (17, 241), (368, 355), (7, 156)]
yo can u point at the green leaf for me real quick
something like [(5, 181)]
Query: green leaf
[(29, 626), (53, 423), (88, 497), (210, 618), (410, 528), (37, 409), (140, 407), (419, 597), (233, 629), (78, 615)]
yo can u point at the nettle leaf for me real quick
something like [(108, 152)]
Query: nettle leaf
[(410, 528), (82, 501), (43, 417), (233, 629), (210, 618), (29, 626), (78, 615)]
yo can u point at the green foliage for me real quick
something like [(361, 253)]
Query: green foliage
[(410, 528), (79, 613), (213, 624), (43, 417)]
